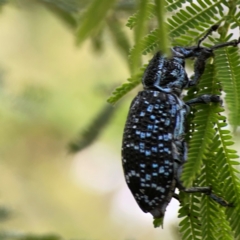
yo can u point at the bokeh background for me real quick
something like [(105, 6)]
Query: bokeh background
[(50, 90)]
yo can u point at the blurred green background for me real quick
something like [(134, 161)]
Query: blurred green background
[(50, 90)]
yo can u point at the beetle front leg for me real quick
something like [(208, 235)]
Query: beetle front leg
[(199, 67), (206, 98)]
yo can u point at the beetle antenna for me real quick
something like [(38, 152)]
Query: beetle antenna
[(213, 28), (233, 43)]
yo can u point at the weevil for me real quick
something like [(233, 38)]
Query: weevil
[(154, 149)]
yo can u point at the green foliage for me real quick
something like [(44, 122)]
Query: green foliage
[(139, 31), (212, 163), (158, 222), (227, 66), (90, 134), (20, 236), (93, 17), (126, 87), (5, 214), (150, 12)]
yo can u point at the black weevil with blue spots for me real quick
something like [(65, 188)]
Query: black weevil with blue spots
[(154, 149)]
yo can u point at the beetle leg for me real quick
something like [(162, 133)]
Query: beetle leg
[(206, 98), (205, 190)]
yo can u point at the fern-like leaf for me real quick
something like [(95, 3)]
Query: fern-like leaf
[(175, 5), (205, 118), (227, 65), (139, 32), (150, 12), (217, 166), (186, 24), (93, 16), (213, 217), (118, 35), (228, 175), (126, 87), (190, 227)]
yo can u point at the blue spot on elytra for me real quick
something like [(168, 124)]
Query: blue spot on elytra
[(148, 177), (149, 134), (147, 153), (142, 135), (150, 108), (154, 149), (142, 145), (154, 165), (161, 169), (166, 161), (167, 122), (150, 127), (160, 137), (136, 120), (142, 165)]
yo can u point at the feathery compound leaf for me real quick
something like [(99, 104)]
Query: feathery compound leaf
[(228, 176), (202, 129), (217, 166), (227, 65), (70, 6), (175, 5), (163, 40), (118, 35), (190, 227), (148, 43), (212, 215), (150, 12), (185, 26), (139, 31), (94, 15), (187, 23), (126, 87), (93, 130)]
